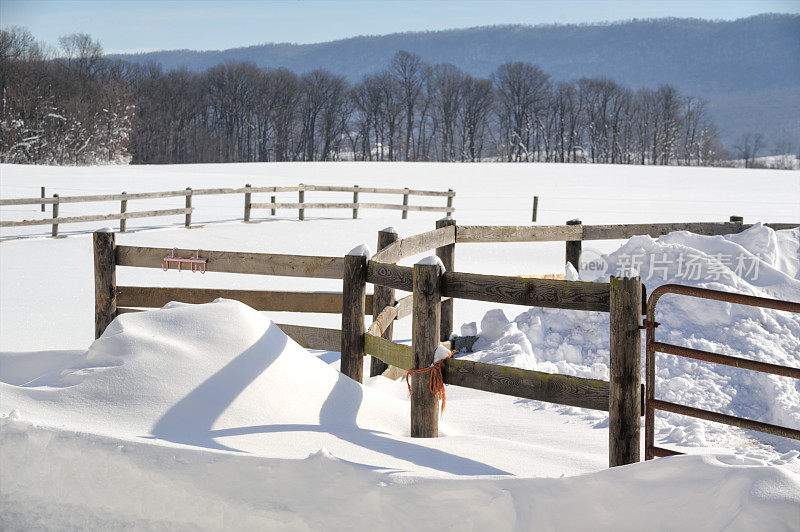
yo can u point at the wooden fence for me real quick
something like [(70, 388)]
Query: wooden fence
[(431, 307), (112, 300), (574, 232), (247, 191)]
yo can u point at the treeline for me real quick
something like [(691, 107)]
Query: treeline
[(74, 109), (80, 108)]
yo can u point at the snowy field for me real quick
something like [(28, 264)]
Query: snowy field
[(208, 416)]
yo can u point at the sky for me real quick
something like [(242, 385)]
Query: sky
[(147, 25)]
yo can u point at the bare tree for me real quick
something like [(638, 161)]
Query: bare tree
[(748, 147), (409, 70), (476, 98), (521, 94)]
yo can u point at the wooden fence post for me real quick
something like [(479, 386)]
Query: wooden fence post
[(123, 208), (42, 198), (383, 297), (450, 201), (574, 249), (535, 208), (354, 291), (188, 206), (624, 408), (447, 254), (55, 216), (301, 196), (105, 281), (355, 202), (273, 200), (247, 198), (425, 339), (405, 203)]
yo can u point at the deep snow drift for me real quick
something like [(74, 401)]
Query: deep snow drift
[(222, 376), (758, 261), (62, 480), (212, 385)]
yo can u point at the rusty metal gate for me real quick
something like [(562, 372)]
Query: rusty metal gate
[(652, 347)]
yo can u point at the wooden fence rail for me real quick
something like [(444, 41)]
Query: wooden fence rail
[(247, 191), (96, 217), (238, 262), (157, 297), (555, 233)]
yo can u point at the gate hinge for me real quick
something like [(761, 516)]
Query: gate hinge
[(647, 324)]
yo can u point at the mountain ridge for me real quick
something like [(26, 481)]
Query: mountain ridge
[(754, 60)]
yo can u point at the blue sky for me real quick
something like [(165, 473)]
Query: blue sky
[(144, 25)]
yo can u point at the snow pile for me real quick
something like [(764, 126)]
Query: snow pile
[(219, 376), (65, 480), (758, 261)]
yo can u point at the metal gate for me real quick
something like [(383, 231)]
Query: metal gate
[(652, 347)]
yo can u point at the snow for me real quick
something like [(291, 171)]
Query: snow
[(758, 261), (469, 329), (360, 251), (207, 416), (440, 354), (432, 260), (81, 482)]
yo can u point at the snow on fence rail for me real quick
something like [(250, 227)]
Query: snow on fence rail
[(247, 191), (431, 305)]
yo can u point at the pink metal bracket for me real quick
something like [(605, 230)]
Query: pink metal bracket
[(197, 263)]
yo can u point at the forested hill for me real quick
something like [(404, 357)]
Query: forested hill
[(749, 69)]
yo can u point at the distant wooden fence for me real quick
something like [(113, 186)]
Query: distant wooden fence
[(247, 191)]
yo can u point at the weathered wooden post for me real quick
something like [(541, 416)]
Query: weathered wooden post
[(301, 196), (624, 408), (105, 281), (450, 195), (188, 206), (55, 216), (535, 208), (354, 293), (405, 203), (123, 208), (247, 198), (383, 297), (42, 198), (574, 249), (273, 201), (425, 339), (447, 254), (355, 202)]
